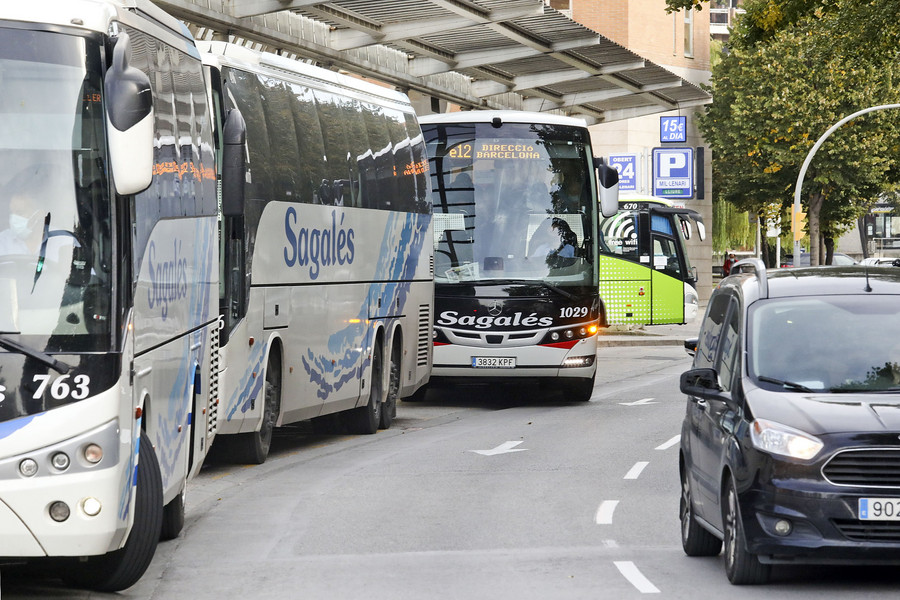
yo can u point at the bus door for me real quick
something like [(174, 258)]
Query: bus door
[(673, 280)]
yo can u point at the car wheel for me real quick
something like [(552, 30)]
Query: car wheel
[(741, 567), (695, 540)]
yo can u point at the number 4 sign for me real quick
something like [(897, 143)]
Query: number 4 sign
[(627, 166)]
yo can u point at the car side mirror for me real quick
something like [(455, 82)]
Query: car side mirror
[(702, 382)]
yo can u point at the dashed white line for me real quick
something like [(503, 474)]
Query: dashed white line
[(605, 512), (635, 577), (669, 444), (635, 471)]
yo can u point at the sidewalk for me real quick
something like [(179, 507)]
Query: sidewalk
[(649, 335)]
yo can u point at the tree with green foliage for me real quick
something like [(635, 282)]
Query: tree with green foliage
[(775, 94)]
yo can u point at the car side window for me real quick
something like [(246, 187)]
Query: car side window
[(711, 332), (730, 342)]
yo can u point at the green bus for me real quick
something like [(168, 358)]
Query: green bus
[(645, 275)]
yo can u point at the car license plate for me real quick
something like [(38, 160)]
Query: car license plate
[(879, 509), (494, 362)]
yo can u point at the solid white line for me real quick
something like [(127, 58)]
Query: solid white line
[(635, 577), (605, 512), (669, 444), (635, 471)]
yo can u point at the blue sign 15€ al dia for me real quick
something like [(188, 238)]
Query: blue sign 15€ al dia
[(673, 129)]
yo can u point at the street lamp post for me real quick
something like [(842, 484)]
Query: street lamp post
[(809, 158)]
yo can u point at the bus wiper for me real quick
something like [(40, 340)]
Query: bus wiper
[(558, 290), (56, 365), (786, 384), (550, 286), (39, 267)]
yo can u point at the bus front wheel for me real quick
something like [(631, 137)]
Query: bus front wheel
[(365, 419), (579, 390), (123, 568)]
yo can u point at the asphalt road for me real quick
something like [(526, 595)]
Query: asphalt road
[(508, 492)]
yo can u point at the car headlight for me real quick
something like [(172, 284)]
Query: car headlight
[(776, 438)]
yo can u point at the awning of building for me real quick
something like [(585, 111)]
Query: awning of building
[(517, 54)]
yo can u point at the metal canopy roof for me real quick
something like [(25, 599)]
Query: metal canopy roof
[(498, 54)]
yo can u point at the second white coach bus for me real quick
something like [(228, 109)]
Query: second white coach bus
[(326, 284), (108, 278), (516, 213)]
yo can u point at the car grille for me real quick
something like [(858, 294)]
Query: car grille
[(873, 531), (878, 467)]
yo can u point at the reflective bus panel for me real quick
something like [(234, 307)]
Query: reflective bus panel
[(108, 272), (326, 242), (515, 233)]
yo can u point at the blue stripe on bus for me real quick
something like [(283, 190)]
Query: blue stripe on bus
[(8, 428)]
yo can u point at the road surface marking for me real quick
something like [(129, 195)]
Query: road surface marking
[(635, 577), (635, 471), (641, 402), (605, 512), (670, 443), (501, 449)]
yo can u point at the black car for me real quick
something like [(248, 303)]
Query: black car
[(790, 446)]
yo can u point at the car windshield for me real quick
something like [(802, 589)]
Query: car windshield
[(55, 255), (827, 343)]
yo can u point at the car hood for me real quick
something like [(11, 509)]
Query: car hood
[(827, 413)]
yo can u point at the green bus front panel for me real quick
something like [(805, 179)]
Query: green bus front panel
[(635, 294), (625, 291)]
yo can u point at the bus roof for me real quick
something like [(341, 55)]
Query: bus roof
[(224, 53), (90, 15), (511, 116)]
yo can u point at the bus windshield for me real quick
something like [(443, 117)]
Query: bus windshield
[(55, 256), (514, 202)]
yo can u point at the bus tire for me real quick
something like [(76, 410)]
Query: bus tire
[(173, 517), (579, 390), (389, 408), (122, 568), (253, 448), (365, 419)]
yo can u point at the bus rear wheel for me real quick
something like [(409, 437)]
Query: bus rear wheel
[(389, 408), (123, 568)]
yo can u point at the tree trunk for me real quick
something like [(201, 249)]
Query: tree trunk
[(829, 250)]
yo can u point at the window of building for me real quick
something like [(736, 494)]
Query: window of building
[(689, 33)]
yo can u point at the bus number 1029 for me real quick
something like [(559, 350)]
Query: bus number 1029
[(569, 312)]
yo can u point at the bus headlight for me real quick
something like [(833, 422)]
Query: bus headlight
[(60, 461), (554, 336), (93, 453), (28, 467), (59, 511), (91, 507)]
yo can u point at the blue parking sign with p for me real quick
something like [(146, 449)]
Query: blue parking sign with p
[(627, 166), (673, 172)]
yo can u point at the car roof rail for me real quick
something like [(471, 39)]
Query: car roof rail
[(757, 266)]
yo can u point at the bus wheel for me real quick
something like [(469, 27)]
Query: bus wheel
[(173, 517), (389, 408), (579, 390), (123, 568), (366, 419), (253, 448)]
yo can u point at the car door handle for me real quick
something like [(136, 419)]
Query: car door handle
[(701, 403)]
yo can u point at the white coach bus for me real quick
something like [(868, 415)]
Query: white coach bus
[(108, 279), (326, 283), (516, 213)]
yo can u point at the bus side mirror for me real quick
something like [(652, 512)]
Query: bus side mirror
[(129, 121), (233, 164), (607, 187)]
